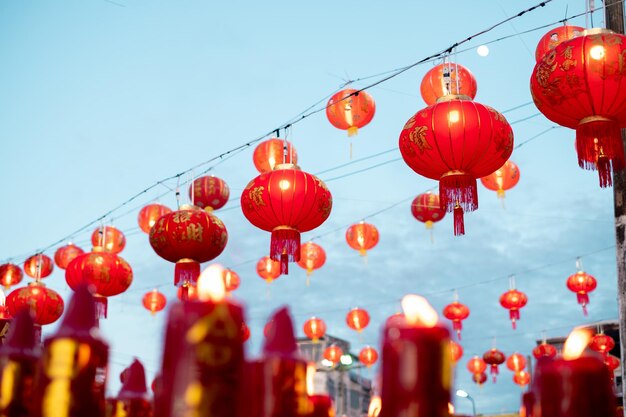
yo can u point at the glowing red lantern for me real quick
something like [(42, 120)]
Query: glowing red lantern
[(245, 332), (268, 269), (312, 257), (582, 284), (187, 293), (493, 358), (209, 192), (362, 237), (456, 312), (456, 351), (231, 280), (271, 152), (10, 275), (554, 37), (188, 237), (350, 110), (110, 238), (358, 319), (333, 354), (544, 350), (149, 215), (521, 378), (38, 266), (434, 141), (66, 254), (578, 84), (286, 202), (154, 301), (447, 79), (502, 179), (427, 209), (602, 343), (45, 304), (479, 379), (516, 362), (314, 328), (476, 365), (513, 300), (368, 356), (612, 363)]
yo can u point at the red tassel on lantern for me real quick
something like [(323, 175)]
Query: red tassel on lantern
[(285, 243)]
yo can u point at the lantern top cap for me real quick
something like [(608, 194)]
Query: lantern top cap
[(597, 31), (450, 97), (287, 166)]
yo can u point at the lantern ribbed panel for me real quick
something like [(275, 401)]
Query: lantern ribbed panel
[(502, 179), (149, 215), (10, 275), (66, 254), (38, 266), (209, 192), (460, 81), (427, 209), (554, 37), (362, 237), (45, 304), (351, 113), (270, 153), (108, 273)]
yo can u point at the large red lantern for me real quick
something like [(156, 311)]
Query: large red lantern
[(149, 215), (271, 152), (209, 192), (456, 312), (446, 79), (513, 300), (45, 304), (544, 350), (314, 328), (66, 254), (350, 110), (286, 202), (154, 301), (312, 257), (521, 378), (231, 280), (602, 343), (426, 208), (368, 356), (516, 362), (456, 351), (109, 238), (476, 365), (582, 284), (358, 319), (38, 266), (188, 237), (333, 354), (502, 179), (10, 275), (578, 84), (554, 37), (268, 269), (435, 140), (362, 237), (493, 357)]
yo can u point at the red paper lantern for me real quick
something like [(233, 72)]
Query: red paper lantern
[(38, 266), (456, 312), (231, 280), (66, 254), (109, 238), (10, 275), (188, 237), (149, 215), (350, 110), (271, 152), (45, 304), (582, 284), (554, 37), (312, 257), (286, 202), (513, 300), (516, 362), (245, 332), (602, 343), (493, 358), (502, 179), (362, 237), (435, 140), (314, 328), (358, 319), (154, 301), (333, 354), (578, 84), (612, 363), (521, 378), (456, 351), (479, 379), (209, 193), (368, 356), (187, 293), (447, 79), (476, 365), (544, 350), (268, 269), (426, 208)]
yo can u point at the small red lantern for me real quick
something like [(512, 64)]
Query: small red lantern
[(38, 266), (268, 269), (350, 110), (109, 238), (456, 312), (447, 79), (479, 379), (554, 37), (314, 328), (10, 275), (544, 350), (513, 300), (45, 304), (521, 378), (286, 202), (271, 152), (333, 354), (245, 332), (602, 343), (66, 254), (362, 237), (456, 351), (149, 215), (187, 293), (493, 358), (312, 257), (502, 179), (154, 301), (209, 193), (231, 280), (582, 284), (476, 365), (612, 363), (358, 319), (516, 362), (427, 209), (368, 356)]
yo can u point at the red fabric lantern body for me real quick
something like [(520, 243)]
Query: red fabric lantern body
[(554, 37), (10, 275), (368, 356), (479, 379), (513, 300), (333, 354), (45, 304), (350, 110), (456, 351), (270, 153), (612, 363), (476, 365), (358, 319), (494, 357), (314, 328), (154, 301), (210, 193), (544, 350), (187, 293), (109, 238), (231, 280), (516, 362), (149, 215), (447, 79), (437, 140), (426, 208), (66, 254), (521, 378), (582, 284), (362, 237), (38, 266), (602, 343), (456, 312), (188, 237), (578, 84), (268, 269), (312, 257), (503, 179), (286, 202)]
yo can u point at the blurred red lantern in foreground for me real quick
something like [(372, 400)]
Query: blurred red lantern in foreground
[(447, 79), (602, 343), (358, 319), (427, 209), (513, 300), (582, 284), (10, 275), (333, 354), (544, 350), (154, 301), (187, 293), (456, 312), (350, 110), (456, 350), (554, 37), (362, 237), (314, 328), (521, 378), (45, 304), (231, 280), (516, 362), (38, 266), (270, 153), (502, 179), (476, 365), (368, 356), (479, 379), (312, 257), (109, 238), (149, 215), (268, 269), (493, 358), (209, 192)]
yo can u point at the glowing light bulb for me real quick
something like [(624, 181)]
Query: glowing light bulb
[(211, 283), (597, 52), (453, 116), (284, 184), (418, 311), (310, 379), (375, 406), (576, 343)]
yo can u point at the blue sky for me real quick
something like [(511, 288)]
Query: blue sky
[(100, 99)]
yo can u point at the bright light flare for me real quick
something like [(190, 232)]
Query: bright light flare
[(576, 344), (211, 284), (597, 52), (375, 406), (310, 379), (418, 311)]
